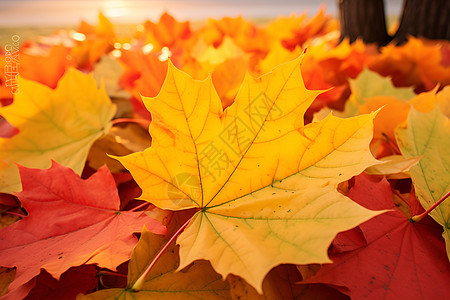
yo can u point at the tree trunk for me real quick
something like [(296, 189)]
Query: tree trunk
[(425, 18), (363, 19)]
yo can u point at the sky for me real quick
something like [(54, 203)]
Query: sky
[(33, 13)]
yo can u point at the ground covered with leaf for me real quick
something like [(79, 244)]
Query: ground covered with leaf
[(224, 160)]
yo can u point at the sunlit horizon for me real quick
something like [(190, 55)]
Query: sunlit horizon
[(51, 13)]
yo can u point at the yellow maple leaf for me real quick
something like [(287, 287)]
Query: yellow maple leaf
[(264, 183), (210, 56), (276, 56), (58, 124)]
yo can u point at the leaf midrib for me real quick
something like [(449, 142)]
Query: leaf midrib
[(193, 140), (256, 135)]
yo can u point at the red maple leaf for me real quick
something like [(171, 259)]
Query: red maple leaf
[(71, 222), (402, 259)]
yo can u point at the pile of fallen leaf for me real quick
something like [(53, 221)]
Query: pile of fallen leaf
[(217, 161)]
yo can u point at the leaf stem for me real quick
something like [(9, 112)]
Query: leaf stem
[(417, 218), (13, 213), (140, 206), (137, 286), (130, 120)]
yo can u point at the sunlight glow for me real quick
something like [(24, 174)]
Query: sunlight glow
[(114, 9), (116, 53), (140, 28), (165, 54), (77, 36), (147, 48), (126, 46)]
